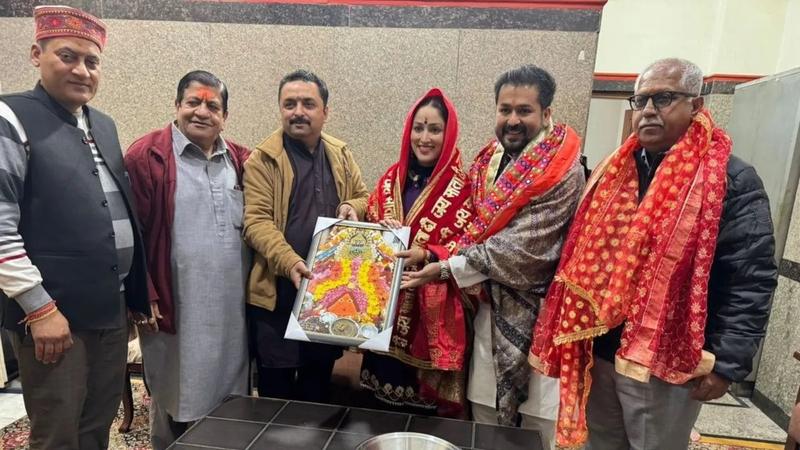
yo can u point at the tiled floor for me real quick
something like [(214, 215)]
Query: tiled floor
[(735, 417), (728, 416), (11, 405), (242, 423)]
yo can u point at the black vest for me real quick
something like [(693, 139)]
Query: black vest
[(64, 220)]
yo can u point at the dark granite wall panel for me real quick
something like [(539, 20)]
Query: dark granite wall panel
[(769, 408), (790, 269), (271, 14), (613, 86), (327, 15), (720, 87), (471, 18), (24, 8), (626, 86)]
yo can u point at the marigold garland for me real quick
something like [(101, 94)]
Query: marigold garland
[(357, 263)]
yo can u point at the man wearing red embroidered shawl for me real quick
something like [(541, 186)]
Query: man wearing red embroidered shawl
[(430, 333), (525, 188), (665, 276)]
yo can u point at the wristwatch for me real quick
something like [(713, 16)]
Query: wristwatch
[(444, 270)]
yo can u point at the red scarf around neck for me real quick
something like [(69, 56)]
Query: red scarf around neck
[(643, 264)]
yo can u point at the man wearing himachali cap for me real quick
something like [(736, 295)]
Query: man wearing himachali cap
[(71, 257)]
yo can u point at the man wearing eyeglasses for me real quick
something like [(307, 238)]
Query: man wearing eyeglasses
[(662, 293)]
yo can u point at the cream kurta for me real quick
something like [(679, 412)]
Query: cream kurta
[(516, 266)]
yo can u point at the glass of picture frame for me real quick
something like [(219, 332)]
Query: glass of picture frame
[(351, 298)]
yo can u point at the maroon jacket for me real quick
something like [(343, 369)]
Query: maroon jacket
[(150, 163)]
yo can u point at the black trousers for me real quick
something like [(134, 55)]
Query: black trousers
[(289, 369), (311, 383)]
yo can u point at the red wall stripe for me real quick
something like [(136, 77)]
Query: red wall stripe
[(604, 76), (731, 77)]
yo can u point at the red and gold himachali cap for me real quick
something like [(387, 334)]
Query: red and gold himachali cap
[(65, 21)]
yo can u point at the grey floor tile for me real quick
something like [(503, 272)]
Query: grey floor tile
[(310, 415), (222, 433), (727, 400), (5, 421), (346, 441), (372, 423), (741, 423), (489, 437), (248, 408), (291, 438), (12, 406), (456, 432)]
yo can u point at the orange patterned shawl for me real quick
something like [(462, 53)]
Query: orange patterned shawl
[(540, 167), (642, 264)]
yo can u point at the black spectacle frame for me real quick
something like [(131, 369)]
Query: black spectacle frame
[(660, 99)]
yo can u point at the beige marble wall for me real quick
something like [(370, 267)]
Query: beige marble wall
[(778, 372), (374, 75), (791, 250), (721, 107)]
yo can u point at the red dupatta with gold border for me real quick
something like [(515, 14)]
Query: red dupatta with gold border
[(645, 264), (431, 325)]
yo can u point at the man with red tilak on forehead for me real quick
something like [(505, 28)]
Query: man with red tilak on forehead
[(187, 181), (71, 256), (662, 293)]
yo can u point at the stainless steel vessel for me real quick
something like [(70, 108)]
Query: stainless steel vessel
[(405, 441)]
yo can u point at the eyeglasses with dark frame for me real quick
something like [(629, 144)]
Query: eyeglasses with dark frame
[(660, 99)]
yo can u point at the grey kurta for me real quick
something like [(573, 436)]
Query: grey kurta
[(192, 371)]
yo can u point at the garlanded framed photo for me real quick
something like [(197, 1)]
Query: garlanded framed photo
[(351, 299)]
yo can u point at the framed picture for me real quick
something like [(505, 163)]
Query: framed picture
[(350, 301)]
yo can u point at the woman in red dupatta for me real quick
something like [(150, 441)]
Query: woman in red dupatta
[(427, 191)]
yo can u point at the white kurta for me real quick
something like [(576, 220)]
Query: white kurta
[(543, 391), (543, 396)]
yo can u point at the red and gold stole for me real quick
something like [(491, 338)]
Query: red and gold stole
[(643, 264), (430, 327), (540, 166)]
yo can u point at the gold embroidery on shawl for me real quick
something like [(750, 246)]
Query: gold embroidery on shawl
[(422, 238), (494, 165), (631, 369), (427, 225), (453, 189), (445, 233), (440, 208), (423, 197), (462, 215)]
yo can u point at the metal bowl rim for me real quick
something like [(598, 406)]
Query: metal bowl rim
[(407, 434)]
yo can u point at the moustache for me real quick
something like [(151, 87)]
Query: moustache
[(299, 120), (647, 124), (515, 129)]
